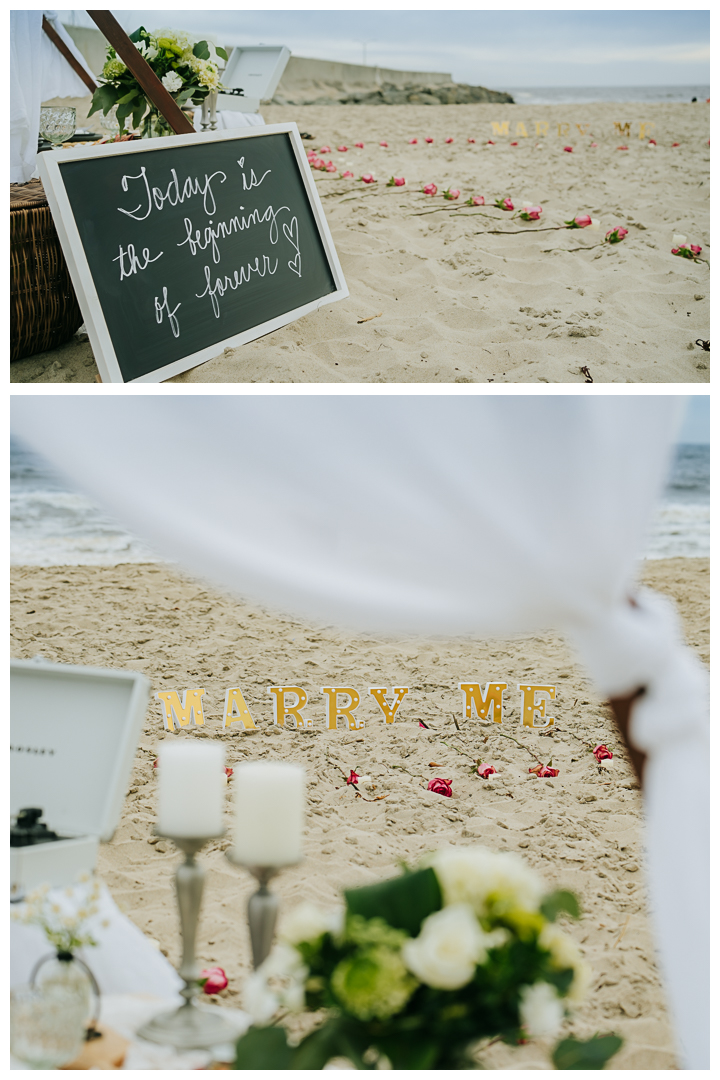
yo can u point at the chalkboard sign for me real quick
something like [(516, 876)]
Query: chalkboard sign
[(178, 247)]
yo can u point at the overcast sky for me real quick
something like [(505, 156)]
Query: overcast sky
[(499, 49)]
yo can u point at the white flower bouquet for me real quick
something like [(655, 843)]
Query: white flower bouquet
[(417, 970), (187, 68), (65, 918)]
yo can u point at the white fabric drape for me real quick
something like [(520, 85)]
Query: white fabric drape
[(486, 515), (38, 72)]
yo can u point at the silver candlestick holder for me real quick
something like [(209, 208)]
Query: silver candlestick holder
[(262, 907), (208, 111), (191, 1026)]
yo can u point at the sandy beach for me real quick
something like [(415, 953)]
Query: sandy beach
[(581, 830), (445, 293)]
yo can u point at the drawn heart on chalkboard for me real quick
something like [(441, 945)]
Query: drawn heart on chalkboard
[(241, 162), (291, 233), (294, 264)]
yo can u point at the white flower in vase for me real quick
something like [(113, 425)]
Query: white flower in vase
[(450, 944), (541, 1010), (307, 923), (172, 82)]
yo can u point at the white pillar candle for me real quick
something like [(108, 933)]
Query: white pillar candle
[(191, 786), (269, 813)]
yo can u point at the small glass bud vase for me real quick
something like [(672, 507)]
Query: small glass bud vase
[(62, 971)]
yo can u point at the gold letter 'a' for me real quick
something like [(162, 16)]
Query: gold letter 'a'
[(236, 710)]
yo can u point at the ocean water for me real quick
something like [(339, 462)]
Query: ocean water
[(681, 526), (584, 95), (52, 525)]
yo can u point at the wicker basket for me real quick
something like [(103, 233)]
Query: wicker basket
[(44, 311)]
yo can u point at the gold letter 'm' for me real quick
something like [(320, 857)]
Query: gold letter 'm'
[(191, 707), (485, 703)]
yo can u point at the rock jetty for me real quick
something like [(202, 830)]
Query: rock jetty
[(391, 94)]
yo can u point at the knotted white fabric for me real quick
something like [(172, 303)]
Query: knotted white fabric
[(444, 514), (642, 646)]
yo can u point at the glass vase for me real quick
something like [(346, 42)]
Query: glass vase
[(154, 125), (47, 1026), (63, 972)]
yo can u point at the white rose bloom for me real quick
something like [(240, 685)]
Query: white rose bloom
[(581, 983), (566, 954), (172, 82), (283, 961), (678, 239), (564, 951), (449, 945), (293, 997), (307, 922), (494, 939), (541, 1010), (258, 999), (148, 51), (261, 1000), (475, 875)]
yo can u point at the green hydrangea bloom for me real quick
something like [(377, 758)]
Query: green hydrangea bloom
[(113, 69), (373, 984), (376, 931)]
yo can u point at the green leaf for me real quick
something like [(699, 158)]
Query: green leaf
[(139, 112), (201, 50), (123, 111), (338, 1037), (128, 97), (559, 901), (409, 1051), (221, 52), (263, 1048), (104, 98), (138, 34), (591, 1054), (403, 902)]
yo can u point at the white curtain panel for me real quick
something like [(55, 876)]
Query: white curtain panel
[(442, 514), (38, 72)]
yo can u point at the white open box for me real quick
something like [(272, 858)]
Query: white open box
[(73, 736), (256, 71)]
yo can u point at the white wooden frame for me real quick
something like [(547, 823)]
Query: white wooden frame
[(49, 164)]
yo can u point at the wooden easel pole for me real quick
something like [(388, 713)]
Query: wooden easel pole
[(72, 60), (151, 85)]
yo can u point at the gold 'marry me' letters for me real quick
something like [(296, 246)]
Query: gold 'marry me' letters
[(185, 707)]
